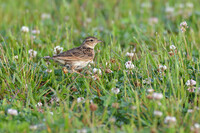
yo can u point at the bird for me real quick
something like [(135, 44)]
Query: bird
[(77, 58)]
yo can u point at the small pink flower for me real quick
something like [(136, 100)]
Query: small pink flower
[(12, 112), (191, 82)]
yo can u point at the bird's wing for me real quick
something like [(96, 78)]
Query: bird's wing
[(79, 53)]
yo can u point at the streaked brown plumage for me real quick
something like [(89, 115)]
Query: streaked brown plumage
[(77, 58)]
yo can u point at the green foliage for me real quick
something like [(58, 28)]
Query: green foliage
[(147, 29)]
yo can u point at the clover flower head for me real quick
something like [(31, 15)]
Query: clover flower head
[(12, 112), (129, 65), (191, 82), (170, 119), (35, 31), (169, 10), (45, 16), (57, 50), (157, 113), (80, 99), (16, 57), (32, 53), (157, 96), (25, 29), (172, 47), (97, 71), (115, 90), (183, 26), (129, 54)]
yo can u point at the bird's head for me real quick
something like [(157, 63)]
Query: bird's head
[(91, 42)]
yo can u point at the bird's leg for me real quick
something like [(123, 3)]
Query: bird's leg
[(64, 69), (73, 70)]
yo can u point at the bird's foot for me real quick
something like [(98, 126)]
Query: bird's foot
[(64, 69)]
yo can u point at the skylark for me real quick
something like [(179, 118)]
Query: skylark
[(79, 57)]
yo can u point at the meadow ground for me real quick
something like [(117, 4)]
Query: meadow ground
[(145, 76)]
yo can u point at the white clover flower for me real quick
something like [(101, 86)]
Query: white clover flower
[(180, 5), (12, 112), (183, 26), (150, 90), (157, 96), (162, 67), (159, 103), (82, 131), (80, 99), (112, 119), (45, 16), (170, 119), (197, 125), (32, 53), (88, 20), (66, 18), (129, 65), (189, 5), (115, 90), (147, 81), (129, 54), (33, 127), (25, 29), (54, 99), (169, 10), (48, 70), (16, 57), (153, 20), (35, 31), (39, 104), (172, 47), (51, 113), (190, 110), (191, 82), (195, 128), (157, 113), (95, 71), (57, 50), (133, 107), (197, 108), (146, 5)]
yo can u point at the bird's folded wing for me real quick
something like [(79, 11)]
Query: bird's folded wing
[(73, 54)]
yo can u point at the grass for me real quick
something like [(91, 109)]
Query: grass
[(124, 26)]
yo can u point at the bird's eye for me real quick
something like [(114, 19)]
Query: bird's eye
[(91, 40)]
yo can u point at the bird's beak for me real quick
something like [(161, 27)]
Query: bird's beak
[(99, 41)]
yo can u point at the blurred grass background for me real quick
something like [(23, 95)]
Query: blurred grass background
[(148, 27)]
